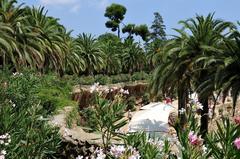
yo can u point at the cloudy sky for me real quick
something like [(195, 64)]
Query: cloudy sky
[(88, 15)]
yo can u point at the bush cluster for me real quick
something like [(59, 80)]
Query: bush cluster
[(105, 79), (22, 119)]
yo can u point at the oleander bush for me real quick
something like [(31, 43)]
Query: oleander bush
[(22, 123)]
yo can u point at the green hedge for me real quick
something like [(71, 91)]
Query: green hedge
[(105, 79)]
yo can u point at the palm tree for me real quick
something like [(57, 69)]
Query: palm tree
[(49, 34), (90, 50), (206, 39), (227, 77), (184, 60), (173, 73), (74, 62), (133, 58), (10, 19), (112, 57)]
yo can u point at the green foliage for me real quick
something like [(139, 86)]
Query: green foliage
[(147, 150), (131, 102), (102, 79), (158, 28), (91, 52), (54, 93), (146, 99), (88, 115), (142, 30), (86, 80), (21, 116), (139, 76), (115, 13), (221, 141), (72, 117), (108, 37), (108, 116)]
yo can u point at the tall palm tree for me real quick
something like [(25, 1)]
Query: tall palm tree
[(206, 39), (201, 37), (74, 62), (10, 19), (49, 34), (227, 77), (133, 58), (112, 57), (91, 52)]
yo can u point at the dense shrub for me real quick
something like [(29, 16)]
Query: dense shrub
[(86, 80), (146, 99), (125, 77), (54, 93), (116, 79), (139, 76), (87, 114), (102, 79), (21, 117), (131, 102), (72, 118)]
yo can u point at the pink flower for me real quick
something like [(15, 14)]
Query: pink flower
[(193, 138), (237, 120), (237, 143)]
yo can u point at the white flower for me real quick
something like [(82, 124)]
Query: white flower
[(135, 156), (100, 154), (182, 111), (204, 148), (17, 73), (94, 87), (117, 151), (121, 90), (79, 157), (13, 104), (199, 106), (3, 152), (124, 91)]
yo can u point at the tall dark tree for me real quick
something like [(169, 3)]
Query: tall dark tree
[(115, 13), (158, 27)]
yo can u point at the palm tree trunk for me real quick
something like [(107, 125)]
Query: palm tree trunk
[(204, 116), (181, 105), (4, 60)]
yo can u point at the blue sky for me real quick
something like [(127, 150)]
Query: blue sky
[(88, 15)]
